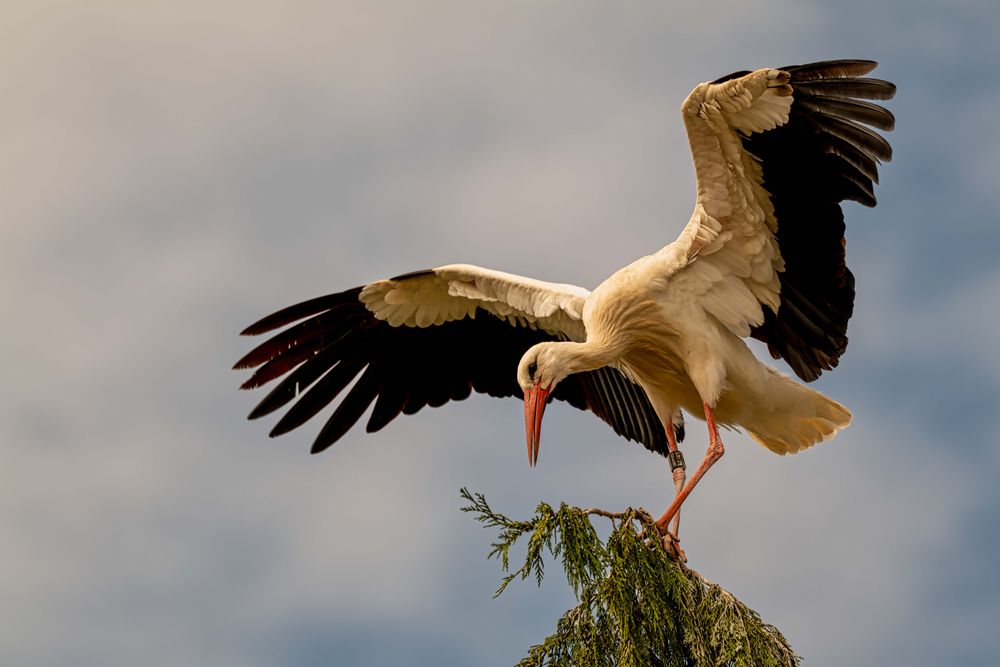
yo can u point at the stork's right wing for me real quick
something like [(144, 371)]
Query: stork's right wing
[(776, 151), (426, 338)]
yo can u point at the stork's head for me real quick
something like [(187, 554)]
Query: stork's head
[(542, 367)]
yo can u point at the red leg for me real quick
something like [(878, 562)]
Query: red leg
[(678, 469), (714, 453)]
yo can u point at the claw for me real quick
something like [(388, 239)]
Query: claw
[(672, 545)]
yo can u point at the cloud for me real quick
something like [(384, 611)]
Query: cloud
[(175, 171)]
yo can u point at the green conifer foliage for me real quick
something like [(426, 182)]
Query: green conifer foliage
[(638, 603)]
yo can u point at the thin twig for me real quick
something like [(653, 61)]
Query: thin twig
[(639, 515), (606, 513)]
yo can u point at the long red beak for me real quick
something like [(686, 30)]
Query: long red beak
[(534, 405)]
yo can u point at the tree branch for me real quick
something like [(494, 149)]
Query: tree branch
[(638, 603)]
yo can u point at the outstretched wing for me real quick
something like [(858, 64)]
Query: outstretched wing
[(426, 338), (776, 151)]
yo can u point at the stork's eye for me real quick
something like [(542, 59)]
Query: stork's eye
[(532, 367)]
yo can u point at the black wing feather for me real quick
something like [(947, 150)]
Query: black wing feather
[(389, 405), (350, 409), (406, 368), (832, 68), (320, 395), (823, 155), (857, 110), (866, 89), (296, 382), (294, 313)]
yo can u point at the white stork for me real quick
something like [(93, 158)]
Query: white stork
[(775, 153)]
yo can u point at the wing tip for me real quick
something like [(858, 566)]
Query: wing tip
[(838, 68), (319, 446), (257, 413), (247, 361), (300, 311)]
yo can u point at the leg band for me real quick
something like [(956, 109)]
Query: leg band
[(676, 459)]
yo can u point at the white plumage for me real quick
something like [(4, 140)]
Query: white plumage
[(456, 291)]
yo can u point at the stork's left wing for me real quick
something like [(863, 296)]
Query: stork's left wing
[(776, 151), (427, 338)]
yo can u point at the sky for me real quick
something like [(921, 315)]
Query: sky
[(174, 170)]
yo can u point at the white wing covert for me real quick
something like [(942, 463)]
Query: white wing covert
[(731, 232), (776, 152), (456, 291)]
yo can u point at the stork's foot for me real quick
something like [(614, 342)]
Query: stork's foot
[(672, 545)]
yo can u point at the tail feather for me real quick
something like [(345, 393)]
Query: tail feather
[(797, 418)]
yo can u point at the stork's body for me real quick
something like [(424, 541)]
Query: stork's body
[(775, 153), (684, 358)]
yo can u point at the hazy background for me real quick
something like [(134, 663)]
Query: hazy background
[(172, 171)]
